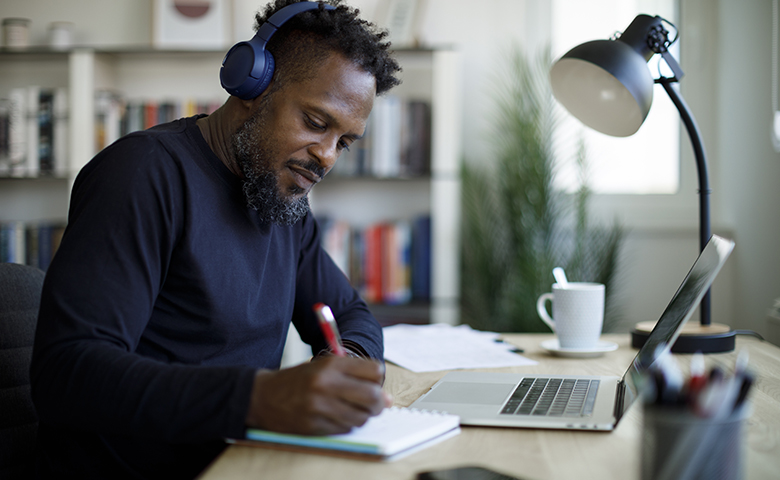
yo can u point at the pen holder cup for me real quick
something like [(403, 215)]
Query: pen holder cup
[(676, 444)]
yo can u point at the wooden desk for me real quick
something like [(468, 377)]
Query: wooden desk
[(531, 454)]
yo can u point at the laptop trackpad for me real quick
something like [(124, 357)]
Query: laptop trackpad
[(464, 392)]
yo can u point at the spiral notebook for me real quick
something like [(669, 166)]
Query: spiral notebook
[(394, 433)]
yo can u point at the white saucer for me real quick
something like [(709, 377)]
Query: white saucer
[(601, 348)]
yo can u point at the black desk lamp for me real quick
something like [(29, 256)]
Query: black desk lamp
[(607, 85)]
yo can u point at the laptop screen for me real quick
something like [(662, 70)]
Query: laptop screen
[(679, 310)]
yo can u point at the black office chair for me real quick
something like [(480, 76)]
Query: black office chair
[(20, 296)]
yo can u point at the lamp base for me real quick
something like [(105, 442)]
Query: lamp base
[(713, 338)]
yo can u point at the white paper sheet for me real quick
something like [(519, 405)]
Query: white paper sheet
[(429, 348)]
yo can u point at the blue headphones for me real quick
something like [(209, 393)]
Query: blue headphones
[(248, 67)]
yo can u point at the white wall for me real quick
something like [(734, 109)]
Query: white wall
[(726, 57), (748, 166)]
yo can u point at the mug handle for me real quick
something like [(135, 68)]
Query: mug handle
[(542, 310)]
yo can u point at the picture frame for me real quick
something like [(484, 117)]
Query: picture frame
[(191, 24)]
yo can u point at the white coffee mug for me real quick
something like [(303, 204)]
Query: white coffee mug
[(578, 313)]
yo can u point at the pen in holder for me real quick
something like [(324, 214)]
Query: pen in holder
[(693, 426)]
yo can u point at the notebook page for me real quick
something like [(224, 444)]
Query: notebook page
[(392, 431)]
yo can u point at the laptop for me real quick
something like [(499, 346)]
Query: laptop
[(573, 401)]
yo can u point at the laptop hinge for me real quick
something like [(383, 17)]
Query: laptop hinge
[(620, 399)]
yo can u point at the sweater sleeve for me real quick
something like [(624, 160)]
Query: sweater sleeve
[(321, 280), (98, 296)]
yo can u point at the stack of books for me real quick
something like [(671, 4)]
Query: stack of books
[(34, 132), (387, 262), (396, 143), (34, 125), (116, 116), (30, 243)]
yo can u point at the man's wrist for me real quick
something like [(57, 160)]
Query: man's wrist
[(353, 349), (253, 417)]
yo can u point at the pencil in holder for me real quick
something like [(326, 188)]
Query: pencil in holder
[(677, 444)]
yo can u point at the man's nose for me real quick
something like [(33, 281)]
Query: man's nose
[(326, 153)]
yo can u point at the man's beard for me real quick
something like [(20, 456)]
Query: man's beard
[(260, 183)]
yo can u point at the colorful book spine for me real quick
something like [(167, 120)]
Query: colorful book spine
[(46, 132), (387, 262), (30, 243), (372, 289), (421, 258), (5, 127)]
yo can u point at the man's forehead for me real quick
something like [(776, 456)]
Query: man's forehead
[(338, 80)]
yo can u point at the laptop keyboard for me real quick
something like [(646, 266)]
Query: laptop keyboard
[(554, 397)]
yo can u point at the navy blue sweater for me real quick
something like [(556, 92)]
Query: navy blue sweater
[(165, 296)]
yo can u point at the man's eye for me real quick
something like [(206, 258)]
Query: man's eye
[(315, 124), (344, 145)]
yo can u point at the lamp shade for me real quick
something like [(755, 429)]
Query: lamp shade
[(606, 83)]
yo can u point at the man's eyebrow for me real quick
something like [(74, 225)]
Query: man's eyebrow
[(332, 120)]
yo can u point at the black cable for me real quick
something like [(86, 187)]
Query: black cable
[(750, 332)]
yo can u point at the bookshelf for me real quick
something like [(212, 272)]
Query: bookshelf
[(30, 199), (133, 73), (146, 74)]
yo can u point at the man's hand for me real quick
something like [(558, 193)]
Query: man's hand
[(327, 396)]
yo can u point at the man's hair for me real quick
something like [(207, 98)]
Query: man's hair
[(307, 39)]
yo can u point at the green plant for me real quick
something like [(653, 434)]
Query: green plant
[(516, 226)]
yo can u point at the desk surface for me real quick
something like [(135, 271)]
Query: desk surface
[(525, 453)]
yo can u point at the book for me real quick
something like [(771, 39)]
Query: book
[(416, 141), (421, 258), (386, 136), (5, 120), (336, 236), (46, 132), (31, 243), (60, 132), (17, 131), (372, 263), (394, 433), (109, 109), (396, 271)]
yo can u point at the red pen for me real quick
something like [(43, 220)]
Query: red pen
[(697, 380), (329, 329)]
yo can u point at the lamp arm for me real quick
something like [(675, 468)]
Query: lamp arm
[(701, 166)]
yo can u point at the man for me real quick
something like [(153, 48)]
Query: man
[(189, 251)]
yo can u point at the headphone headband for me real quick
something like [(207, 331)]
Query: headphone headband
[(248, 67)]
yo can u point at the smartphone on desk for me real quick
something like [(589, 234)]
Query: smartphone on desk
[(464, 473)]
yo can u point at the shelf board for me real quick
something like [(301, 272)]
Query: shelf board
[(415, 313), (371, 178), (39, 178)]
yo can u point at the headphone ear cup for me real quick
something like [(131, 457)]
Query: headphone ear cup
[(265, 78), (244, 58), (236, 73)]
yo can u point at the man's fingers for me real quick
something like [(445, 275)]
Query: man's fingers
[(357, 385), (370, 370), (329, 395)]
